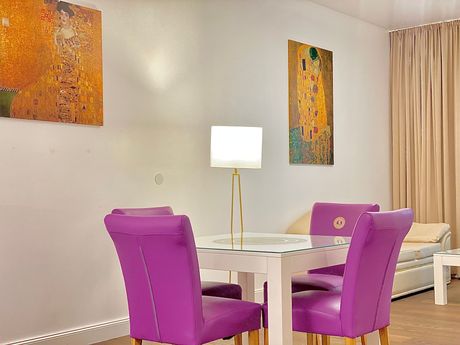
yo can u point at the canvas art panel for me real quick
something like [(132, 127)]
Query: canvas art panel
[(311, 137), (50, 62)]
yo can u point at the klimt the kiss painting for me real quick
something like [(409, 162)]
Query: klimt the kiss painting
[(311, 139)]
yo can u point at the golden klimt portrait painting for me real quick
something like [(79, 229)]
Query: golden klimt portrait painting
[(311, 139), (50, 62)]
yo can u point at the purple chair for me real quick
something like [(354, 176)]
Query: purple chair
[(329, 219), (208, 288), (363, 305), (162, 278)]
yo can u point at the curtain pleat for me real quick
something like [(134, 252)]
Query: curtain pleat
[(425, 107)]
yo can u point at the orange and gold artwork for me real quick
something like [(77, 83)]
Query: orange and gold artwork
[(310, 105), (50, 62)]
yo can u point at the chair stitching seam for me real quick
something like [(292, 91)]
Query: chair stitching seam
[(152, 298), (380, 294)]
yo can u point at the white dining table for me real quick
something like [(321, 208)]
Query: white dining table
[(279, 256)]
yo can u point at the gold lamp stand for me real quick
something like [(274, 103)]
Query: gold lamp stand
[(236, 147), (236, 175)]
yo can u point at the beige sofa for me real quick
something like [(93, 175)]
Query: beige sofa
[(415, 264)]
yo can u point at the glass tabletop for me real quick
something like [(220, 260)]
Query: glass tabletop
[(449, 252), (269, 243)]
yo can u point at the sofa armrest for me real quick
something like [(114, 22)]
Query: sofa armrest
[(446, 245), (427, 233), (446, 241)]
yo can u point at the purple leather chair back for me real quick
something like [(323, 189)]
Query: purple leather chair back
[(148, 211), (370, 270), (332, 219), (160, 268)]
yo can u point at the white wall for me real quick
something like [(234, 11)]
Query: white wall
[(171, 70)]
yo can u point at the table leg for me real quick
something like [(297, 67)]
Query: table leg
[(246, 281), (440, 285), (279, 303)]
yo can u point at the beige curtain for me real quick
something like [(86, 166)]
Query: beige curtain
[(425, 106)]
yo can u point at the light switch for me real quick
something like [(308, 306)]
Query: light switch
[(5, 22)]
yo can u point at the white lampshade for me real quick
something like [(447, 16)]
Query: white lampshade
[(236, 147)]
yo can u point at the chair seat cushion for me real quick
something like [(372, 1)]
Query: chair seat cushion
[(225, 317), (314, 312), (313, 281), (337, 270), (218, 289)]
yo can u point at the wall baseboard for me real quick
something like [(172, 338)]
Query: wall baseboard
[(81, 336), (91, 334)]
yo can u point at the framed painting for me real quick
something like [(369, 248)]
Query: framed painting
[(311, 120), (50, 62)]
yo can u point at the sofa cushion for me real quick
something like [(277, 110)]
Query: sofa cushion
[(417, 251), (427, 232), (406, 265), (412, 280), (406, 255)]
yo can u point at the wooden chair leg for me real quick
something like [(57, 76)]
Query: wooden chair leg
[(238, 339), (325, 340), (311, 339), (253, 337), (265, 336), (349, 341), (135, 341), (363, 340), (384, 336)]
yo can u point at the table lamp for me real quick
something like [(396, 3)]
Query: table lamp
[(236, 148)]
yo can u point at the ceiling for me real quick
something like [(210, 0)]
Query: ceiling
[(396, 14)]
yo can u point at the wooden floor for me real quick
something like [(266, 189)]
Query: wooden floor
[(415, 320)]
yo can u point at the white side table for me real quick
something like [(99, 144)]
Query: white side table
[(441, 262)]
